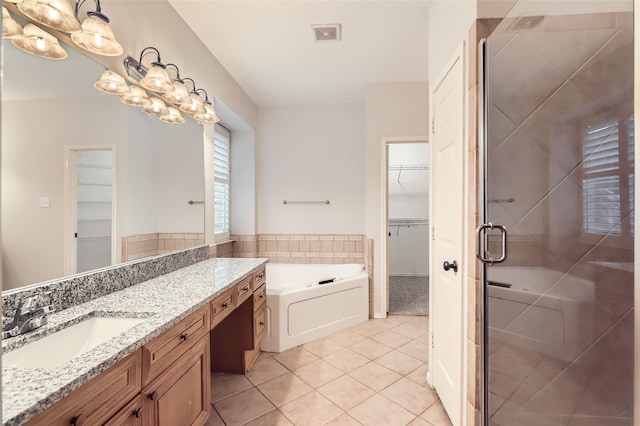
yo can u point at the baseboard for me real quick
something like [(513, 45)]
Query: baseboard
[(409, 275)]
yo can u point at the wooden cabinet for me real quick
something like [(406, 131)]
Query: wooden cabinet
[(130, 415), (97, 401), (181, 394), (164, 350), (222, 306)]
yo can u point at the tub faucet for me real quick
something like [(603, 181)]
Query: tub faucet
[(29, 316)]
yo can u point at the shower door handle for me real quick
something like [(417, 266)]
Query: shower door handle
[(481, 243)]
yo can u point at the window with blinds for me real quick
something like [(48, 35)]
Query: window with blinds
[(607, 183), (222, 182)]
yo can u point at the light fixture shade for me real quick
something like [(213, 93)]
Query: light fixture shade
[(178, 95), (56, 14), (38, 42), (193, 105), (157, 80), (173, 117), (97, 37), (112, 83), (10, 28), (157, 107), (136, 97), (208, 117)]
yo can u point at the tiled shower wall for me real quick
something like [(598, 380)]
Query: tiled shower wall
[(139, 246)]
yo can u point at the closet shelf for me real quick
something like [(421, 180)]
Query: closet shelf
[(407, 222)]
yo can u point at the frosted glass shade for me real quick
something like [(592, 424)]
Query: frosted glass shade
[(10, 28), (136, 97), (173, 117), (38, 42), (97, 37), (209, 116), (112, 83), (193, 105), (56, 14), (157, 107), (178, 95), (157, 80)]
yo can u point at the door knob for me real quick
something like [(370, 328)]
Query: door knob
[(453, 265)]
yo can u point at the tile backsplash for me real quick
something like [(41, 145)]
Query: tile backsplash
[(145, 245)]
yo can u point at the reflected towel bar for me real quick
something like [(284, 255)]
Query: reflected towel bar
[(504, 200), (306, 202), (195, 202)]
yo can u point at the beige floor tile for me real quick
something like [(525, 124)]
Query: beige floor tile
[(370, 328), (344, 420), (346, 337), (265, 368), (310, 410), (375, 376), (346, 360), (409, 330), (318, 373), (214, 419), (370, 348), (295, 358), (410, 395), (346, 392), (502, 385), (419, 422), (436, 415), (399, 362), (284, 389), (416, 349), (243, 407), (391, 339), (419, 376), (274, 418), (323, 347), (224, 385), (419, 321), (378, 411), (393, 320)]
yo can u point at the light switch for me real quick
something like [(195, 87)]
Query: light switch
[(44, 202)]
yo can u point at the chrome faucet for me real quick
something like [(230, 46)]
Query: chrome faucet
[(29, 316)]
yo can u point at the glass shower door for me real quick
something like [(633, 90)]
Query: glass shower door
[(559, 178)]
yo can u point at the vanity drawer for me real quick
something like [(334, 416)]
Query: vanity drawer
[(129, 415), (243, 290), (97, 401), (259, 324), (161, 352), (259, 296), (259, 277), (222, 306)]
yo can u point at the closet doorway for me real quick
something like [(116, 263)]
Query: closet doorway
[(407, 226)]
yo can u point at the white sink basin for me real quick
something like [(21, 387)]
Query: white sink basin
[(58, 348)]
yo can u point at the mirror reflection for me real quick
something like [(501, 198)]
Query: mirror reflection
[(87, 181)]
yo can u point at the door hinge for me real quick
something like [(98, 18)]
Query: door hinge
[(433, 124), (432, 344)]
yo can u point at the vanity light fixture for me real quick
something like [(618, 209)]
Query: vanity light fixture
[(112, 83), (38, 42), (96, 35), (10, 28), (157, 107), (179, 93), (56, 14), (156, 79), (136, 97), (209, 116), (193, 105), (173, 117)]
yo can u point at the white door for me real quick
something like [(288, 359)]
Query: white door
[(447, 237)]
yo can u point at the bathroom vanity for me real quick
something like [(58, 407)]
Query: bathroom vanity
[(206, 317)]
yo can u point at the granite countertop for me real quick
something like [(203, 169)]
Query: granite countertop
[(162, 302)]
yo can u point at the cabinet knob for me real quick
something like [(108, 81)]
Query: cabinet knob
[(261, 276), (224, 305), (261, 323), (183, 337), (261, 296), (74, 420), (151, 395), (136, 413)]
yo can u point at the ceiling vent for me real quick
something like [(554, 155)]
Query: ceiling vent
[(327, 32)]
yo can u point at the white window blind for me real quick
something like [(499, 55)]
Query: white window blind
[(606, 172), (222, 182)]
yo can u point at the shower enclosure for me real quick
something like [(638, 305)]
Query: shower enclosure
[(559, 198)]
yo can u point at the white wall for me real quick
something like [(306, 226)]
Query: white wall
[(243, 183), (408, 247), (311, 153), (392, 110)]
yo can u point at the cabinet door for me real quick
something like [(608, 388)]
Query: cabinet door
[(181, 395), (130, 415)]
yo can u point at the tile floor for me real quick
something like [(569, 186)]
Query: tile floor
[(370, 374)]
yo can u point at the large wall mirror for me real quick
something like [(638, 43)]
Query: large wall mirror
[(87, 181)]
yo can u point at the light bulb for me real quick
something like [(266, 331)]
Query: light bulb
[(41, 44), (98, 40), (54, 15)]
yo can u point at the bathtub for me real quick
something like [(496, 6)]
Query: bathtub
[(300, 310), (546, 311)]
